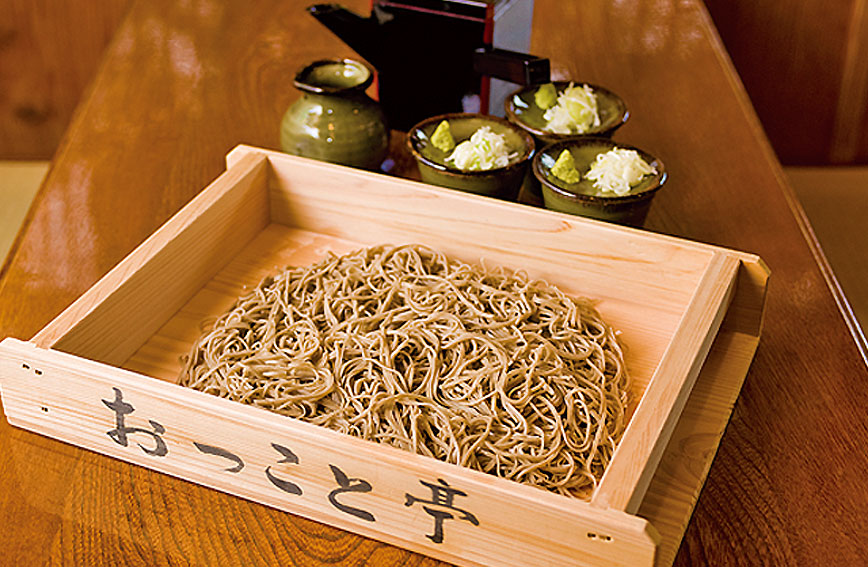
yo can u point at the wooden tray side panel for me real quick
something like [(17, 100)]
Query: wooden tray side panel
[(641, 283), (411, 501), (359, 205), (376, 209), (748, 306), (627, 478), (683, 468), (261, 456), (114, 317)]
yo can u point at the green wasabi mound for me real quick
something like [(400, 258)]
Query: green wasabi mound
[(565, 168), (546, 96), (442, 137)]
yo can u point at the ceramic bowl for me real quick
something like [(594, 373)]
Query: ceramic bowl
[(583, 198), (502, 182), (521, 109)]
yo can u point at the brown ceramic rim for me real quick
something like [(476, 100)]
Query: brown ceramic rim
[(557, 147), (300, 83), (622, 106), (412, 140)]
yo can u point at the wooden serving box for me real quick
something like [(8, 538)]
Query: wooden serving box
[(101, 374)]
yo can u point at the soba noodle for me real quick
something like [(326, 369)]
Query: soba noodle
[(480, 367)]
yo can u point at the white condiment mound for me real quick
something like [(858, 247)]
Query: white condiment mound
[(617, 170), (575, 112), (486, 149)]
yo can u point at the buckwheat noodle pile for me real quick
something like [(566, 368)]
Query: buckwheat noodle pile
[(474, 366)]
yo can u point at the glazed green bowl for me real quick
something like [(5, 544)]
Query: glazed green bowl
[(583, 198), (521, 109), (502, 182)]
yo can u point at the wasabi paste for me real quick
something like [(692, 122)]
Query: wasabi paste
[(442, 137), (565, 168), (546, 96)]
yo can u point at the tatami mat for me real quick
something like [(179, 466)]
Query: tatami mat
[(19, 182), (836, 202)]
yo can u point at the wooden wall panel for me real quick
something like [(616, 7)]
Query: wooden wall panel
[(852, 125), (805, 66), (49, 50)]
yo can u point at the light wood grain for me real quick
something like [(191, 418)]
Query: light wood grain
[(270, 252), (672, 494), (306, 196), (133, 299), (640, 450), (64, 396)]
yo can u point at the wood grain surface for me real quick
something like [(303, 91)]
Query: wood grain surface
[(185, 82), (826, 193), (49, 52)]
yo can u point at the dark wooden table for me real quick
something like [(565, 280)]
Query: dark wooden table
[(182, 83)]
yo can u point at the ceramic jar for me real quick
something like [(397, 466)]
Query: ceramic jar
[(334, 120)]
